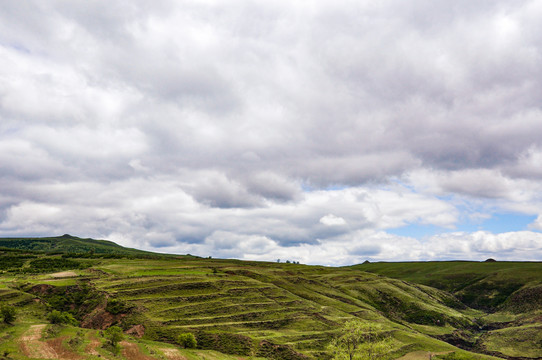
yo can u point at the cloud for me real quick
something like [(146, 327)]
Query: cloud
[(182, 125), (537, 224), (332, 220), (524, 245)]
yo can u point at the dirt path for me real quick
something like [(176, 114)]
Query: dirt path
[(173, 354), (32, 347), (60, 351), (132, 352), (63, 274), (91, 348)]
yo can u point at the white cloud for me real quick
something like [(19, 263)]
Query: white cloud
[(332, 220), (179, 125), (537, 224)]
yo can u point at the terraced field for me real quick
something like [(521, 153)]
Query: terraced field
[(299, 306), (251, 310)]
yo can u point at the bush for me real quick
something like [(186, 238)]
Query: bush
[(187, 341), (57, 317), (8, 313), (116, 306)]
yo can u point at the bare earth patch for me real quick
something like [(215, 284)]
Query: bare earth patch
[(32, 347), (132, 352), (173, 354), (62, 352), (91, 348), (136, 330), (99, 318), (63, 274)]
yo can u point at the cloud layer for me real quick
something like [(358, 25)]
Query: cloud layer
[(273, 130)]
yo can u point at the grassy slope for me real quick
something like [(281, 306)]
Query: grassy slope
[(287, 304), (510, 292), (68, 244)]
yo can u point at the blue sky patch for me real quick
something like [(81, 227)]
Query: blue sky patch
[(497, 223)]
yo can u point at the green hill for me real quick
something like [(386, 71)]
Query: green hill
[(68, 244), (258, 310), (488, 286)]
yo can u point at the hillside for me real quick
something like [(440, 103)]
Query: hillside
[(239, 309), (68, 244), (509, 293)]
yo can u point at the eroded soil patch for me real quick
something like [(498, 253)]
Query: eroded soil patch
[(132, 352), (32, 347), (63, 274), (173, 354)]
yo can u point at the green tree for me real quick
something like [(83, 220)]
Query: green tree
[(57, 317), (187, 341), (8, 313), (361, 341), (114, 334)]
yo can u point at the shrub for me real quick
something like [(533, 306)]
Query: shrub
[(8, 313), (187, 341), (57, 317), (116, 306)]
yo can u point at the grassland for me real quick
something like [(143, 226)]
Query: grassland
[(255, 310)]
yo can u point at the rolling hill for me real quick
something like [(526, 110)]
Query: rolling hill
[(68, 244), (258, 310)]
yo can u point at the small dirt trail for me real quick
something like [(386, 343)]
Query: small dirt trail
[(32, 347), (132, 352), (91, 348), (63, 274), (61, 352), (173, 354), (94, 344)]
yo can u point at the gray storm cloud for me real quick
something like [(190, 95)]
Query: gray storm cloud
[(187, 125)]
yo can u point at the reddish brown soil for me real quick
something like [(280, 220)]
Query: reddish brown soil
[(61, 352), (91, 348), (136, 330), (131, 352), (32, 347), (99, 318)]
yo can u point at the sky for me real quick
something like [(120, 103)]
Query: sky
[(324, 132)]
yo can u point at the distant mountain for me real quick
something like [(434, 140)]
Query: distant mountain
[(68, 244)]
